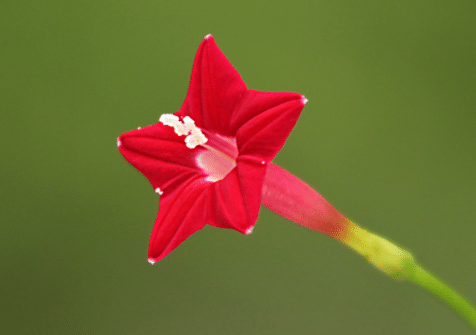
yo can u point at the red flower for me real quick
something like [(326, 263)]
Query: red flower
[(209, 160)]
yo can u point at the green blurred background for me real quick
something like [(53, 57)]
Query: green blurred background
[(388, 137)]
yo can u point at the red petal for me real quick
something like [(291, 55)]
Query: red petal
[(160, 155), (215, 90), (235, 200), (181, 213), (264, 121)]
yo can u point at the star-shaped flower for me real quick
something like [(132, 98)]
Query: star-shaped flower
[(211, 164), (208, 161)]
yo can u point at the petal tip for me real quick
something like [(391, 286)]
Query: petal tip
[(151, 261), (303, 100), (159, 191), (249, 230), (208, 37), (119, 143)]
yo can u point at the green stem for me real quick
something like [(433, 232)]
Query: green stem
[(445, 293), (400, 265)]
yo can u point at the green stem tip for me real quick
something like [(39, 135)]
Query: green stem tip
[(444, 292), (400, 265)]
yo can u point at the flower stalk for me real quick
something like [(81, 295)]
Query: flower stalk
[(429, 282), (399, 264), (381, 253), (292, 198)]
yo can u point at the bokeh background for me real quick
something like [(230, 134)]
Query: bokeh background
[(388, 137)]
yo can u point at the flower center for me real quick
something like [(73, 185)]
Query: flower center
[(219, 158)]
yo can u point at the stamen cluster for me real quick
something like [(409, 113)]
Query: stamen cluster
[(194, 137)]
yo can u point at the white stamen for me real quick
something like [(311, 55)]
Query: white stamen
[(159, 191), (173, 121), (194, 137), (151, 261), (189, 124), (208, 36), (169, 119), (304, 100), (138, 127), (249, 230), (118, 142)]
